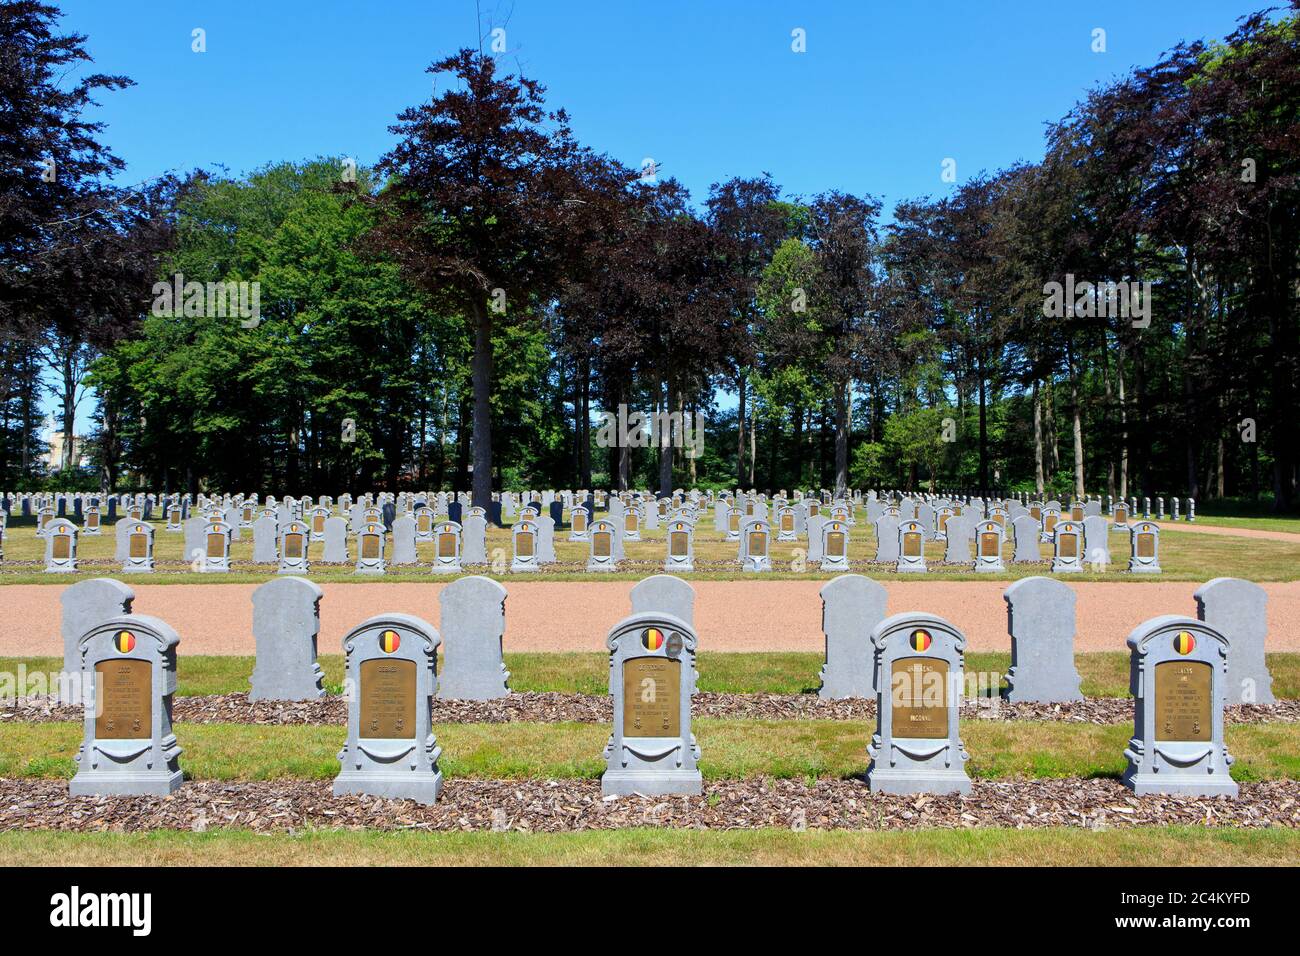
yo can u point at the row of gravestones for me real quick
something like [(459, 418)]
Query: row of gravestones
[(1179, 669), (124, 665)]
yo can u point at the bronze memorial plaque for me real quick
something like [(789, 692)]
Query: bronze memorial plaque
[(62, 547), (139, 547), (216, 545), (835, 544), (919, 697), (733, 521), (446, 545), (387, 699), (757, 543), (125, 688), (318, 524), (630, 522), (989, 545), (1146, 545), (92, 520), (652, 697), (370, 545), (600, 544), (677, 544), (1183, 700), (1069, 545), (580, 523), (911, 545), (787, 522), (293, 546), (422, 523), (524, 544)]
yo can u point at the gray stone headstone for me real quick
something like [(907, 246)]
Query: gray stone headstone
[(666, 594), (1040, 620), (473, 545), (886, 527), (265, 532), (652, 678), (472, 626), (336, 540), (917, 747), (1238, 610), (86, 604), (1026, 531), (958, 531), (1177, 671), (195, 545), (391, 673), (286, 620), (852, 605), (1096, 540), (128, 748), (404, 540)]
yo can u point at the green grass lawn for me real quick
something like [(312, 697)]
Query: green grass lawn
[(732, 749), (1105, 673), (1183, 556), (1156, 846)]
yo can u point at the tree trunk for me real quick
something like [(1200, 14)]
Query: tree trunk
[(1038, 441), (1077, 413), (740, 432), (843, 406), (481, 373)]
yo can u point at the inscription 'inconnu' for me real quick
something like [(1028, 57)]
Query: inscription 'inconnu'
[(919, 697), (652, 697)]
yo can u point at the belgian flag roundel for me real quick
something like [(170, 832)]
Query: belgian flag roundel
[(389, 641), (921, 640), (652, 638), (124, 642), (1184, 642)]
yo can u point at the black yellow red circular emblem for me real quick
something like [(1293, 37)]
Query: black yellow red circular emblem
[(124, 642), (921, 640), (652, 638), (1184, 642), (389, 641)]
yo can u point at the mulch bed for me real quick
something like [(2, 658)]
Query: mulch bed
[(569, 805), (589, 709)]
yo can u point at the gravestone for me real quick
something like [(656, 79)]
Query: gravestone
[(957, 539), (1177, 669), (681, 546), (886, 539), (579, 519), (755, 535), (472, 626), (602, 553), (139, 547), (85, 605), (988, 547), (524, 536), (335, 537), (1025, 531), (473, 539), (1238, 610), (911, 547), (786, 527), (852, 605), (446, 548), (652, 678), (545, 539), (917, 747), (664, 593), (404, 540), (370, 548), (286, 622), (1144, 548), (1067, 547), (295, 538), (1040, 620), (835, 545), (92, 521), (391, 673), (128, 667), (60, 547), (1096, 541), (216, 550)]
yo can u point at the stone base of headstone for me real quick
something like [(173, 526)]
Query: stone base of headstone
[(1143, 784), (420, 787), (614, 783), (90, 782), (904, 781)]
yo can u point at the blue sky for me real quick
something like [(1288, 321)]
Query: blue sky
[(885, 92)]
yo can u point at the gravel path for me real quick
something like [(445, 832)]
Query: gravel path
[(576, 616), (567, 805), (587, 709)]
